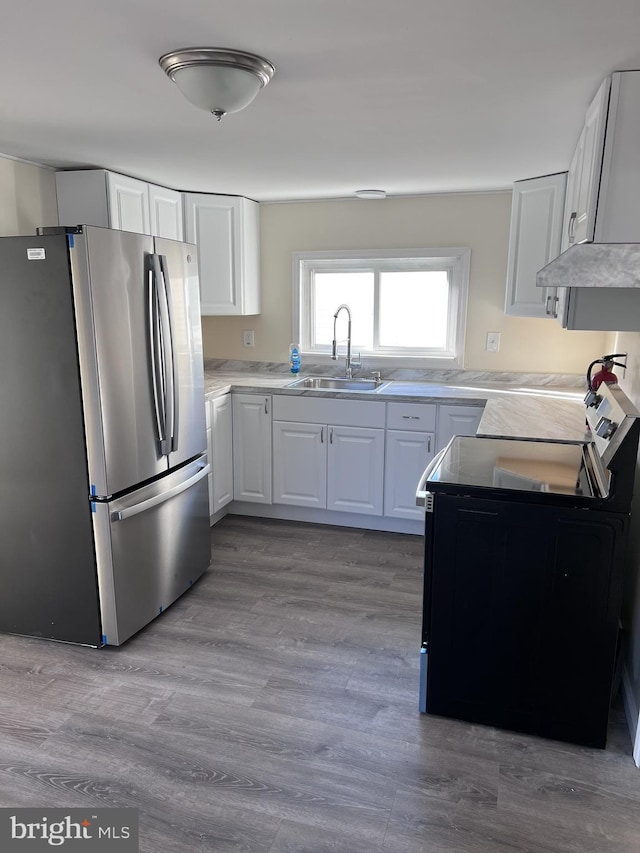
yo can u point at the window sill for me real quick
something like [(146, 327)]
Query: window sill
[(376, 361)]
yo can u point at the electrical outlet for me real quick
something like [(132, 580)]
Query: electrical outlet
[(247, 338), (493, 341)]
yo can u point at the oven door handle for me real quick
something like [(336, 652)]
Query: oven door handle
[(421, 492)]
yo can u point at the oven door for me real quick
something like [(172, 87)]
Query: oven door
[(483, 470)]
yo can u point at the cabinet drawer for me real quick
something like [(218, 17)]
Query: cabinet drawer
[(412, 416), (315, 410)]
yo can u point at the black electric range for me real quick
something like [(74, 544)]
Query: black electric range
[(524, 566)]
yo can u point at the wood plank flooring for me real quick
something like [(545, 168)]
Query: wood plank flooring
[(273, 709)]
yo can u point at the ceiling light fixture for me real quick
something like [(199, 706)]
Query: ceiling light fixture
[(217, 79), (370, 193)]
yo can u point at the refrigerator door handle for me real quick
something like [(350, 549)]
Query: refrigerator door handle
[(156, 353), (143, 506), (171, 361)]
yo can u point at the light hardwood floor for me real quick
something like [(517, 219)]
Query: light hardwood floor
[(273, 709)]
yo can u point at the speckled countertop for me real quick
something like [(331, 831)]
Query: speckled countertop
[(546, 412)]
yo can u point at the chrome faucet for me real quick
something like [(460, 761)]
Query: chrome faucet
[(351, 364)]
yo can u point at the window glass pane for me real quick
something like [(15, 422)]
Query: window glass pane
[(331, 290), (414, 309)]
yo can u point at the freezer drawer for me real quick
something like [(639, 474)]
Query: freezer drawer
[(152, 545)]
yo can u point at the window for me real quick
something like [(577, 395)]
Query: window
[(406, 305)]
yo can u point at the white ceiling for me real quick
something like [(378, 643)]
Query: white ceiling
[(411, 96)]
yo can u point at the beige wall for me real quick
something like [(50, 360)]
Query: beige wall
[(27, 197), (477, 220)]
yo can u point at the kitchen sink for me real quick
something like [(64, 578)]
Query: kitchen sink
[(332, 383)]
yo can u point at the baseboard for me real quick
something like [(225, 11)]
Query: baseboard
[(632, 714), (326, 516), (215, 518)]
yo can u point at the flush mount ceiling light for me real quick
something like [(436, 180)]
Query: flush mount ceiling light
[(370, 194), (217, 79)]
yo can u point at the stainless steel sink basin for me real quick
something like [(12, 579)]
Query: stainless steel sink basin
[(332, 383)]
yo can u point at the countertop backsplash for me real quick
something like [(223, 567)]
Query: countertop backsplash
[(445, 377)]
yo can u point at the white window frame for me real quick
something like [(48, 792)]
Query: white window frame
[(454, 259)]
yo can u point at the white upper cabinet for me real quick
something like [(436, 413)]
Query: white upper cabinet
[(536, 224), (603, 190), (226, 230), (109, 200), (165, 213), (584, 172), (618, 212), (128, 204)]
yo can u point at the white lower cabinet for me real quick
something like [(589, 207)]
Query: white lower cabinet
[(410, 444), (328, 454), (406, 457), (351, 456), (208, 415), (299, 464), (221, 454), (355, 469), (457, 420), (327, 466), (252, 448)]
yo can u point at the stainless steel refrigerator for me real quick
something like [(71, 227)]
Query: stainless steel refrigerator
[(104, 517)]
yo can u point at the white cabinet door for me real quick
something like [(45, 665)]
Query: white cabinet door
[(618, 214), (584, 173), (165, 210), (588, 181), (536, 225), (406, 457), (456, 420), (355, 470), (300, 464), (128, 204), (222, 454), (208, 412), (226, 231), (571, 196), (252, 448)]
